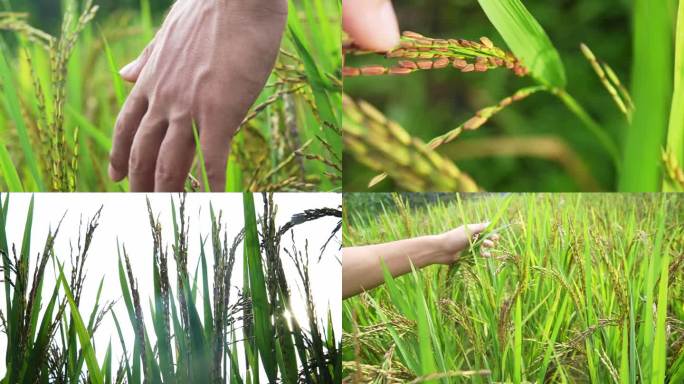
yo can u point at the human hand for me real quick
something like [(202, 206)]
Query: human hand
[(452, 243), (372, 24), (207, 64)]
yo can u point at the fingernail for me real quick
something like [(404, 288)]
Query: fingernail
[(387, 33), (114, 174), (372, 24), (128, 70)]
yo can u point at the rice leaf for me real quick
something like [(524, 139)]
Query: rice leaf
[(660, 338), (200, 154), (9, 172), (94, 372), (127, 366), (527, 39), (675, 132), (263, 326), (119, 89), (652, 92), (13, 106)]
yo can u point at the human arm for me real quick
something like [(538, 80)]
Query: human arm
[(362, 267)]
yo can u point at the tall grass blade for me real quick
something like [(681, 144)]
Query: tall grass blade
[(527, 39), (94, 372), (327, 105), (9, 172), (200, 154), (263, 326), (13, 106), (675, 132), (652, 92)]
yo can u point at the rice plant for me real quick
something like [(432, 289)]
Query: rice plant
[(61, 96), (646, 157), (203, 328), (581, 288)]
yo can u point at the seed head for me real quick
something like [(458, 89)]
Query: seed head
[(408, 64), (468, 68), (486, 42), (441, 63), (400, 71), (373, 70), (350, 72), (474, 123), (480, 67), (425, 64), (460, 63), (412, 35)]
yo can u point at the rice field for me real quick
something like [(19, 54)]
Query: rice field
[(221, 308), (61, 93), (582, 288)]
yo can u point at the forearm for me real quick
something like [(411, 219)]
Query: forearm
[(362, 267)]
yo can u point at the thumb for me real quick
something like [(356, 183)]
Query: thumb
[(476, 229), (132, 70), (372, 24)]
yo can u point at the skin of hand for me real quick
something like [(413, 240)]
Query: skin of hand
[(207, 65), (371, 24), (362, 266), (455, 241)]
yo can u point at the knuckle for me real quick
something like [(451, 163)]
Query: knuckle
[(216, 169), (138, 162), (117, 162), (167, 175)]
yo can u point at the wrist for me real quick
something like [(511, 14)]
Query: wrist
[(436, 252), (442, 251)]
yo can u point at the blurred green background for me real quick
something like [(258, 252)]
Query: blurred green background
[(48, 13), (430, 103)]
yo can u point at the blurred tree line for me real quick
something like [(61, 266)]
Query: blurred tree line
[(48, 13), (366, 204)]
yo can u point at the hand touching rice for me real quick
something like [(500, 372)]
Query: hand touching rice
[(362, 267), (206, 65)]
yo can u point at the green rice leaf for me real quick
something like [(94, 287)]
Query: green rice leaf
[(263, 326), (200, 154), (527, 39), (660, 341), (122, 341), (675, 132), (9, 172), (208, 316), (84, 336), (119, 89), (652, 92), (107, 365), (13, 106)]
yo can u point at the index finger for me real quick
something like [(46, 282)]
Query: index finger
[(372, 24)]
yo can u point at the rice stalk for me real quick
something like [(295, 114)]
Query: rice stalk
[(611, 82), (418, 52), (481, 117), (383, 145)]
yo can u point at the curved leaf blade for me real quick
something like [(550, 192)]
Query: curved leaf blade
[(527, 39)]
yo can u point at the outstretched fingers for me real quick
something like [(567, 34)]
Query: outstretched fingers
[(215, 141), (144, 152), (127, 124), (175, 157)]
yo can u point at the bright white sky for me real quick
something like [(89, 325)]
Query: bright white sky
[(124, 217)]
